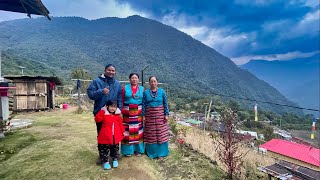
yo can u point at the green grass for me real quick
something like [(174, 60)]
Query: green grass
[(184, 164), (61, 144), (14, 142)]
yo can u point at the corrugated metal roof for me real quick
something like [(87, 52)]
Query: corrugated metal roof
[(294, 150), (54, 79), (192, 121), (25, 6), (287, 170)]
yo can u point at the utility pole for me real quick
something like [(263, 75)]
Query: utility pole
[(1, 78), (142, 80), (21, 67), (205, 117), (78, 88), (209, 110), (78, 83), (0, 65)]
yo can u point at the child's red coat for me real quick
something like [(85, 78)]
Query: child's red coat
[(112, 128)]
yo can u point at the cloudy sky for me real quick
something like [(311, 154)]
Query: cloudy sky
[(239, 29)]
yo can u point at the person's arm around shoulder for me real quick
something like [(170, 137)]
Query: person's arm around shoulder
[(94, 93)]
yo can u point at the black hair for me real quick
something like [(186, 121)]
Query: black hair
[(133, 74), (153, 77), (109, 65), (111, 102)]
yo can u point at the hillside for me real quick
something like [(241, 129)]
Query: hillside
[(297, 79), (188, 66), (62, 144)]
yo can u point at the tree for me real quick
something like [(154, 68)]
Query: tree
[(268, 133), (234, 106), (80, 74), (230, 144)]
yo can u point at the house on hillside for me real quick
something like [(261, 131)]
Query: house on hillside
[(216, 116), (193, 122), (33, 92), (197, 116), (303, 155), (215, 126), (285, 170), (251, 133), (282, 133)]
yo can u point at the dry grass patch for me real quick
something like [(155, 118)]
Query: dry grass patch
[(205, 144)]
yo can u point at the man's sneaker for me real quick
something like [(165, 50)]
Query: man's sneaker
[(106, 166), (115, 163)]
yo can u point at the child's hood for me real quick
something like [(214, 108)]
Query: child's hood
[(106, 112)]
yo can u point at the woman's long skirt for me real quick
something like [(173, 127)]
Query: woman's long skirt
[(133, 136), (156, 132)]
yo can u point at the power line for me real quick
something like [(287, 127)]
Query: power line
[(266, 102)]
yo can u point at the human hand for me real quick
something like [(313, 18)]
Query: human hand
[(106, 90), (166, 118)]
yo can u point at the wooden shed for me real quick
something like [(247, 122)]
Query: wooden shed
[(33, 92)]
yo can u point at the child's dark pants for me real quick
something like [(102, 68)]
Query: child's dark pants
[(105, 150)]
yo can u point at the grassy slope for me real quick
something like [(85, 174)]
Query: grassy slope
[(62, 145)]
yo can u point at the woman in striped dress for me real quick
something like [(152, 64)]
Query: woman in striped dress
[(132, 95), (155, 114)]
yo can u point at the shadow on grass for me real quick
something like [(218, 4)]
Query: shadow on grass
[(14, 142)]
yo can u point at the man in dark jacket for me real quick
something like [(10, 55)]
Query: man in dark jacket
[(104, 88)]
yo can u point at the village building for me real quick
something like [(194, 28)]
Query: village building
[(33, 92), (300, 154), (285, 170)]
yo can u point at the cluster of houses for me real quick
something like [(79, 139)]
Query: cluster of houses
[(297, 159), (213, 123)]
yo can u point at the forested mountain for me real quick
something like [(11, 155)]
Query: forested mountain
[(297, 79), (188, 66)]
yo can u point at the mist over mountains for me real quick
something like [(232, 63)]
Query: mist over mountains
[(297, 79)]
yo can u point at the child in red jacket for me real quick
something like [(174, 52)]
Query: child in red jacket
[(111, 133)]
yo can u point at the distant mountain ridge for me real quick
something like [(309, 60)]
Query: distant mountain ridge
[(297, 79), (188, 66)]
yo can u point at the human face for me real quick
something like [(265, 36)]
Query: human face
[(153, 83), (110, 71), (134, 80), (112, 108)]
